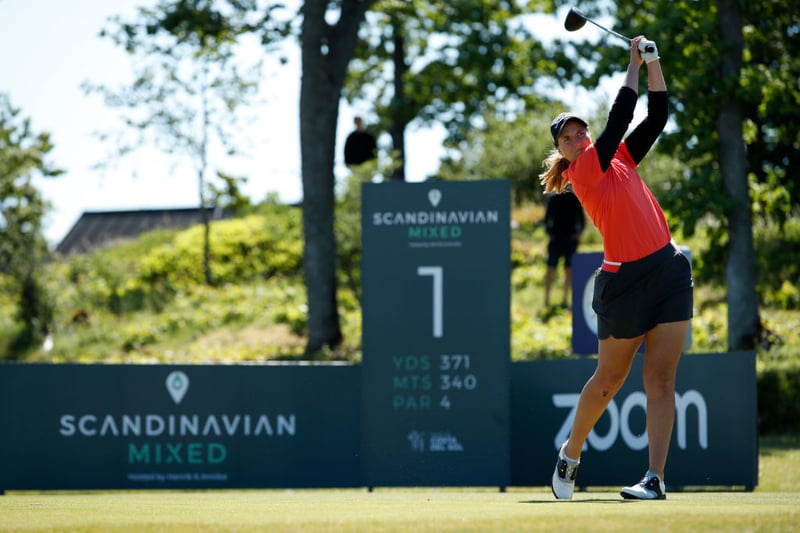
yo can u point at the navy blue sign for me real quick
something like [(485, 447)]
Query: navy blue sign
[(157, 426), (714, 440), (436, 260), (584, 319), (86, 427)]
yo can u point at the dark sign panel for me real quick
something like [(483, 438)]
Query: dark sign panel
[(137, 426), (584, 319), (714, 440), (265, 426), (436, 332)]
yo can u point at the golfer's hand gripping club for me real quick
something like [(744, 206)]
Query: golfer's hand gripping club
[(648, 50)]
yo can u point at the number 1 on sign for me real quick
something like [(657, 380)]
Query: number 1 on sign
[(436, 273)]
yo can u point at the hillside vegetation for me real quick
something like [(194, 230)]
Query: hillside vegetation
[(145, 301)]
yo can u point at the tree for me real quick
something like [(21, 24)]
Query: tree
[(505, 149), (23, 248), (327, 49), (206, 33), (744, 325), (189, 87), (447, 62)]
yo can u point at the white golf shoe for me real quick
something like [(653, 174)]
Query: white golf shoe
[(651, 487), (564, 475)]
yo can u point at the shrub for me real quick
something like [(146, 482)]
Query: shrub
[(257, 246), (777, 250), (779, 398)]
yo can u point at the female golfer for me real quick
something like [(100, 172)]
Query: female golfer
[(643, 290)]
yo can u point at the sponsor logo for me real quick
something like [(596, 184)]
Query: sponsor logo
[(177, 385), (438, 441), (431, 227), (176, 439), (620, 427)]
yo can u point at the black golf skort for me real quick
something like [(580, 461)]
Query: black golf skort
[(642, 294)]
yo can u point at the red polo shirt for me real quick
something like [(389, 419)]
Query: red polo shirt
[(620, 204)]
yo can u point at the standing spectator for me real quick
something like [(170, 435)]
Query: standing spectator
[(564, 222), (360, 145)]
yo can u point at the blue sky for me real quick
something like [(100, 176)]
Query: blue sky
[(48, 48)]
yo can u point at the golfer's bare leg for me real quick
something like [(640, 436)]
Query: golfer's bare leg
[(614, 360), (662, 352)]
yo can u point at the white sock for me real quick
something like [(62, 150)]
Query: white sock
[(650, 473), (570, 460)]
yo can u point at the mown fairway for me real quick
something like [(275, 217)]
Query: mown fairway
[(773, 506), (397, 510)]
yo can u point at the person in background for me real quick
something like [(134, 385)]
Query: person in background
[(643, 291), (564, 221), (360, 145)]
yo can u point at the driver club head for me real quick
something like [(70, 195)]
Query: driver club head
[(575, 19)]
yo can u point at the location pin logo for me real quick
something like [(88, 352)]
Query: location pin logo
[(177, 385), (434, 195)]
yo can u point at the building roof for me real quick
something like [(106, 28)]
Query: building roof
[(96, 229)]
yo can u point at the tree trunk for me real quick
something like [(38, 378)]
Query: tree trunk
[(326, 52), (744, 325), (201, 177), (398, 127)]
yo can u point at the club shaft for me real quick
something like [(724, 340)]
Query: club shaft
[(612, 32)]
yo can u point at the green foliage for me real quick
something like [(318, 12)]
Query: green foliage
[(189, 83), (257, 246), (229, 198), (501, 149), (347, 225), (779, 397), (778, 250), (688, 34), (201, 324), (188, 90), (109, 279), (444, 62), (23, 157), (777, 247)]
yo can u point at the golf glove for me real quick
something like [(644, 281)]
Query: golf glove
[(648, 50)]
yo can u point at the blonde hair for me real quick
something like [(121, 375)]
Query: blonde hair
[(552, 179)]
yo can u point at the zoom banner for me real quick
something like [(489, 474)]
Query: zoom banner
[(714, 440)]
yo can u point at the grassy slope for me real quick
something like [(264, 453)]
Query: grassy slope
[(264, 319)]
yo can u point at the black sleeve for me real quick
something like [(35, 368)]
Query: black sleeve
[(642, 138), (619, 117)]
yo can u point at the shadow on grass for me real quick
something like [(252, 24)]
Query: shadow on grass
[(588, 500)]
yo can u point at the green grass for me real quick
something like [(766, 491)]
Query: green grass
[(773, 506), (387, 510)]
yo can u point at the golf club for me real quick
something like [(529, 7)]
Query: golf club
[(576, 20)]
